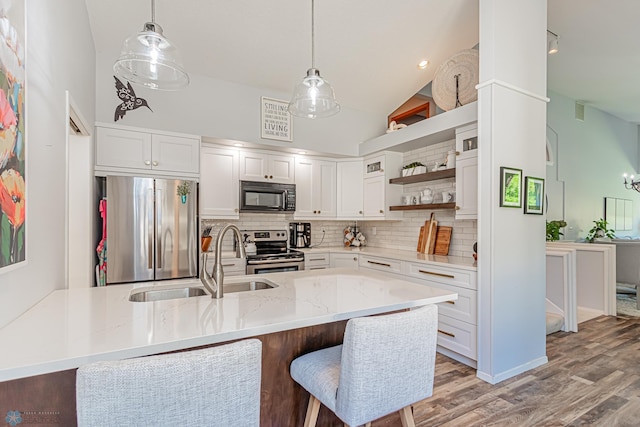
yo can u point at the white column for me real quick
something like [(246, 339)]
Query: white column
[(511, 245)]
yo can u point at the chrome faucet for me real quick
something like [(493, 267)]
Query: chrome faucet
[(214, 282)]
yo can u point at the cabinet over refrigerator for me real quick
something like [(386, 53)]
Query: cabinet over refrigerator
[(152, 230)]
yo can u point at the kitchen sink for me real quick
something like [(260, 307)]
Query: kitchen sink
[(146, 295)]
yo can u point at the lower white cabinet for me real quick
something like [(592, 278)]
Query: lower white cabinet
[(316, 260), (344, 260), (386, 265), (219, 191), (230, 266)]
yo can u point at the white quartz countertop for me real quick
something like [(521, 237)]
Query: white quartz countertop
[(73, 327), (400, 255)]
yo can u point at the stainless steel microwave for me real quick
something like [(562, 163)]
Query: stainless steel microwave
[(267, 197)]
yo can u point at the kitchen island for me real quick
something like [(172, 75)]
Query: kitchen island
[(306, 311)]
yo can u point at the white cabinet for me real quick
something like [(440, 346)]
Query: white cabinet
[(344, 260), (386, 265), (350, 186), (315, 189), (378, 193), (219, 192), (126, 150), (316, 260), (467, 172), (263, 167)]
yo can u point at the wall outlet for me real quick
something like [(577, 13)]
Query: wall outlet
[(374, 230)]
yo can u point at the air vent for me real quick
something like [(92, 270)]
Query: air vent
[(579, 111)]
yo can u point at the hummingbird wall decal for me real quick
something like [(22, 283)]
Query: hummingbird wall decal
[(129, 100)]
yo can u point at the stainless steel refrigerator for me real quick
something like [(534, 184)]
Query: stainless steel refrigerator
[(152, 231)]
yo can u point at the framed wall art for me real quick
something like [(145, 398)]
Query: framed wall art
[(534, 195), (275, 120), (510, 187), (13, 173)]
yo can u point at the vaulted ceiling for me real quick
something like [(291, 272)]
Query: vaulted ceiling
[(369, 49)]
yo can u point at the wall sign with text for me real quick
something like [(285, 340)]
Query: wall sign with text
[(276, 120)]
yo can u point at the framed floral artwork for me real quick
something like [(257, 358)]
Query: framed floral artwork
[(13, 177), (534, 194), (510, 187)]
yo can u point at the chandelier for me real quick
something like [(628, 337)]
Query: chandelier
[(630, 184)]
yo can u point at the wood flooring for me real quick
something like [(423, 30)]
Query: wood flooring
[(592, 379)]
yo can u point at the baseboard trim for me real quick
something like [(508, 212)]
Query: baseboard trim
[(458, 357), (495, 379)]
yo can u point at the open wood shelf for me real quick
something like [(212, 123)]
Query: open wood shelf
[(451, 205), (428, 176)]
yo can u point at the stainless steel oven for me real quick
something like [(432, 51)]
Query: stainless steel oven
[(272, 254)]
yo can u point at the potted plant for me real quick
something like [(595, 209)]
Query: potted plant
[(600, 231), (183, 191), (414, 168), (553, 230)]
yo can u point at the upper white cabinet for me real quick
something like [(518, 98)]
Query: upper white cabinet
[(350, 185), (315, 188), (467, 172), (134, 151), (378, 193), (263, 167), (219, 189)]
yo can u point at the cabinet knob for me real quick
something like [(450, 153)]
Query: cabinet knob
[(266, 177), (315, 211), (147, 162), (457, 207), (457, 153), (236, 210), (360, 212), (381, 211), (355, 258), (155, 163), (319, 211), (270, 176), (381, 170)]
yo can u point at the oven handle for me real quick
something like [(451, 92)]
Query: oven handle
[(275, 261)]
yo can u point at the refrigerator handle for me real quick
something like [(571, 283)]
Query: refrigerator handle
[(159, 202), (149, 228)]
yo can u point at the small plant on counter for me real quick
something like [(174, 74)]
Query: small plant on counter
[(600, 230), (553, 230)]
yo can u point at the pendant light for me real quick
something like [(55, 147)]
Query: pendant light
[(313, 97), (149, 59)]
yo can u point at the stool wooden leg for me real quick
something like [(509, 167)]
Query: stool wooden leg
[(406, 416), (312, 412)]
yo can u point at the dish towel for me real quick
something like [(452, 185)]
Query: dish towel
[(102, 247)]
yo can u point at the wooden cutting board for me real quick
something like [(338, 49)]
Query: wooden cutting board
[(431, 240), (424, 230), (443, 240), (420, 239)]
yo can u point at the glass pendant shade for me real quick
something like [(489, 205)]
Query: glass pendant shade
[(149, 59), (313, 97)]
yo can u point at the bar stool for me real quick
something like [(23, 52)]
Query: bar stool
[(216, 386), (385, 364)]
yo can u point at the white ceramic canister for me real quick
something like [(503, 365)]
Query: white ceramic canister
[(451, 159)]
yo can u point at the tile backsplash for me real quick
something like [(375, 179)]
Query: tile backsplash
[(397, 234)]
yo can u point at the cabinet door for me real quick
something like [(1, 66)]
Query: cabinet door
[(349, 189), (374, 166), (467, 188), (219, 192), (175, 154), (281, 169), (123, 148), (325, 188), (253, 166), (467, 141), (373, 197), (304, 188), (345, 260)]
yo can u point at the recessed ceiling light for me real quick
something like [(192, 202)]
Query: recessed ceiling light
[(423, 64), (237, 144), (302, 152)]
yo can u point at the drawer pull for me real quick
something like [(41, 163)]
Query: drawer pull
[(317, 259), (379, 263), (228, 265), (451, 302), (449, 334), (449, 276)]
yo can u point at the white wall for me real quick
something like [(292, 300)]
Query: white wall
[(592, 156), (60, 56), (219, 109)]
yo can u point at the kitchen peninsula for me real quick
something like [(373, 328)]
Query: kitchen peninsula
[(306, 311)]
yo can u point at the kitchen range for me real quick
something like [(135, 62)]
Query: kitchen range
[(272, 254)]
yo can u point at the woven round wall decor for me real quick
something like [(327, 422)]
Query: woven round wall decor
[(465, 64)]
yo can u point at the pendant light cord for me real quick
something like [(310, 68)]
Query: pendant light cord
[(153, 11), (313, 53)]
